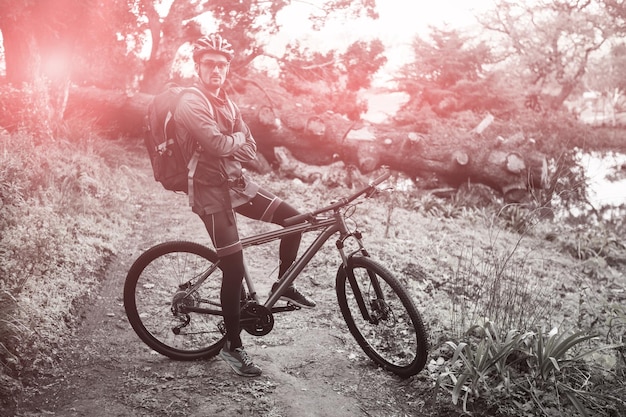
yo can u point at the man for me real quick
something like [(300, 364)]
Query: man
[(220, 189)]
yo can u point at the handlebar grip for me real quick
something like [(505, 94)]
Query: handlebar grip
[(301, 218), (380, 179)]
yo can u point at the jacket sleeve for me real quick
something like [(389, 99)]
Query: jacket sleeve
[(247, 151), (192, 113)]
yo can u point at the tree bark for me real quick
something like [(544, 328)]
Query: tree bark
[(511, 166), (168, 35)]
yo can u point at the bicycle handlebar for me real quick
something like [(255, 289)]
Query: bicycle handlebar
[(300, 218)]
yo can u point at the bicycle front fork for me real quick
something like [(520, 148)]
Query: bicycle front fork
[(341, 243)]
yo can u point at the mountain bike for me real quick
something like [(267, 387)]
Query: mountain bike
[(172, 293)]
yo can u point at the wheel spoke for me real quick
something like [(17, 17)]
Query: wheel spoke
[(393, 336), (157, 291)]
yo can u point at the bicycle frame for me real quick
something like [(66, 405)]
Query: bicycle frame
[(336, 223), (330, 226)]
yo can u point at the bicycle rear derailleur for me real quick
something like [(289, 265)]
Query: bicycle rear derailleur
[(181, 300)]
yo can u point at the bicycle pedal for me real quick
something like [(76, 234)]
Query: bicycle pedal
[(293, 306), (222, 327)]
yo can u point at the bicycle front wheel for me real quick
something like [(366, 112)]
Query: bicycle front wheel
[(163, 307), (382, 317)]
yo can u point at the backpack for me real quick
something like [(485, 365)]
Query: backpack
[(169, 165)]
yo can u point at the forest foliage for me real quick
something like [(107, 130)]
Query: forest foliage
[(524, 57)]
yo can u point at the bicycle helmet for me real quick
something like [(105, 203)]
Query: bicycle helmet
[(212, 43)]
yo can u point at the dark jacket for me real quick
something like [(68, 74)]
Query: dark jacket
[(226, 142)]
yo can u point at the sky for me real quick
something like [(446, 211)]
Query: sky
[(400, 21)]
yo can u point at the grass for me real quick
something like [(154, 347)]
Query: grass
[(500, 351)]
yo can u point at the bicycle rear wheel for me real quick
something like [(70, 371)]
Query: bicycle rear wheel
[(158, 292), (382, 317)]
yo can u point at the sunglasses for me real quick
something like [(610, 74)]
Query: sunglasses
[(221, 65)]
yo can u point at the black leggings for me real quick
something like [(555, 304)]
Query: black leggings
[(223, 230)]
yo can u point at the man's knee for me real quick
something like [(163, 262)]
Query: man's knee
[(232, 265), (283, 212)]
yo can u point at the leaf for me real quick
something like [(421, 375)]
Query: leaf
[(458, 350), (553, 332), (555, 363), (460, 386), (565, 345), (577, 404)]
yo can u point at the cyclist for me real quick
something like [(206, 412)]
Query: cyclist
[(220, 189)]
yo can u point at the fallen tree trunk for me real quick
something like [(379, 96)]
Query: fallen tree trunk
[(510, 167)]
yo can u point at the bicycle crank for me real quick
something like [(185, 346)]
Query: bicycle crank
[(256, 319)]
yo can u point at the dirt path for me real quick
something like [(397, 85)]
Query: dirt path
[(311, 365)]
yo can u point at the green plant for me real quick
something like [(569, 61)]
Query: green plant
[(556, 366), (28, 109), (617, 318), (616, 323), (515, 218), (443, 208), (550, 353), (483, 367), (589, 242), (522, 371), (10, 329)]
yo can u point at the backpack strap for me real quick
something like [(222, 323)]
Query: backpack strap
[(199, 92), (193, 162), (191, 167)]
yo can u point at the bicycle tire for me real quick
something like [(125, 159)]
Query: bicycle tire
[(153, 288), (395, 339)]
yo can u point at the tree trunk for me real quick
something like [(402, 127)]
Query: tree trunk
[(167, 36), (19, 50), (509, 166)]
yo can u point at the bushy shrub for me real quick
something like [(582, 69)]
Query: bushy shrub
[(60, 205), (27, 110)]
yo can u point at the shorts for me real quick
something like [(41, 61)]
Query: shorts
[(222, 226)]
